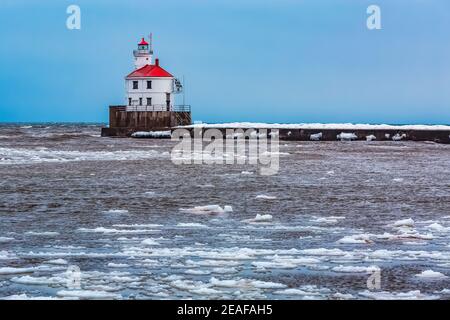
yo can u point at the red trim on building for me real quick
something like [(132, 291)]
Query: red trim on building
[(153, 71)]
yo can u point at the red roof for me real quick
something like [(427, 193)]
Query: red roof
[(143, 42), (149, 71)]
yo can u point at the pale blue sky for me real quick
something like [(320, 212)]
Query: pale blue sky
[(247, 60)]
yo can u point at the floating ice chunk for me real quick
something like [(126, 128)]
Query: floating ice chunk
[(285, 263), (405, 222), (211, 263), (224, 270), (432, 275), (438, 227), (387, 135), (355, 239), (354, 269), (292, 292), (197, 272), (117, 265), (151, 134), (315, 136), (205, 291), (24, 296), (343, 136), (265, 197), (371, 138), (247, 172), (14, 270), (343, 296), (39, 280), (323, 252), (386, 295), (88, 294), (245, 283), (260, 218), (138, 226), (228, 209), (330, 220), (117, 231), (191, 225), (149, 242), (57, 261), (116, 211), (308, 292), (209, 209), (398, 179), (5, 255), (150, 193), (6, 239), (44, 233)]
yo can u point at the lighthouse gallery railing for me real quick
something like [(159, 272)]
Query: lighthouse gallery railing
[(159, 107)]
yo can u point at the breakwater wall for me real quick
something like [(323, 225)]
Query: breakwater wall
[(336, 134)]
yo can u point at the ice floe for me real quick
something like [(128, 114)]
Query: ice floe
[(265, 197), (5, 255), (386, 295), (191, 225), (260, 218), (117, 265), (245, 283), (116, 211), (209, 209), (19, 270), (431, 275), (88, 294), (57, 261), (117, 231), (354, 269), (149, 242), (355, 239), (331, 219), (42, 233), (405, 222)]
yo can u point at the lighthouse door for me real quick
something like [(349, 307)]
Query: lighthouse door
[(168, 101)]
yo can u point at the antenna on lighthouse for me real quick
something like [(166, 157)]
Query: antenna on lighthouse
[(150, 37)]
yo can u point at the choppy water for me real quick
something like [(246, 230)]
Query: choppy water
[(113, 208)]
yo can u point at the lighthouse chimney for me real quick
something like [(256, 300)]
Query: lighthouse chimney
[(144, 53)]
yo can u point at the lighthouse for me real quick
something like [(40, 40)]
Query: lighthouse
[(149, 87), (150, 92)]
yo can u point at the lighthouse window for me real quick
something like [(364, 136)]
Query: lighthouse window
[(140, 101), (149, 84), (149, 101), (135, 84), (129, 101)]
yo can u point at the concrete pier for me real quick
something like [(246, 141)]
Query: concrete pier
[(123, 123), (296, 134)]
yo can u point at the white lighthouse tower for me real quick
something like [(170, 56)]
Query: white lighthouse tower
[(144, 54), (149, 87)]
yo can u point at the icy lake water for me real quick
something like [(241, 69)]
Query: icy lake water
[(137, 227)]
